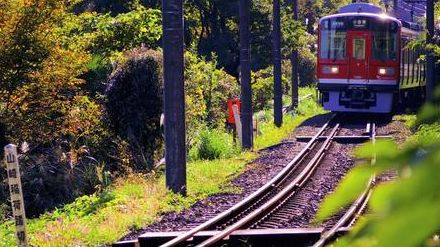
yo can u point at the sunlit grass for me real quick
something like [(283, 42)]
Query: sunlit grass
[(130, 203), (408, 119), (271, 135)]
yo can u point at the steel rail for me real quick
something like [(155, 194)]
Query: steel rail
[(292, 188), (254, 196), (357, 207)]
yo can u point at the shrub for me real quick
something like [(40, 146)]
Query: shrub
[(207, 90), (307, 67), (104, 34), (134, 104), (262, 88), (215, 144), (306, 71)]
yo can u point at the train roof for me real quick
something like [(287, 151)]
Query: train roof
[(360, 7), (374, 15), (371, 10)]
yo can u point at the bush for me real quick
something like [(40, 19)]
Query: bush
[(306, 70), (215, 144), (207, 90), (104, 34), (262, 88), (134, 104), (307, 67)]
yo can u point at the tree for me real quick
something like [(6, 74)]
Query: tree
[(39, 79)]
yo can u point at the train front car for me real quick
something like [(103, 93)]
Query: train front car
[(358, 59)]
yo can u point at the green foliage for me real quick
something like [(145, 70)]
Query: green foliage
[(262, 88), (104, 35), (309, 106), (214, 144), (39, 78), (207, 90), (307, 67), (269, 134), (134, 104), (403, 212), (294, 35)]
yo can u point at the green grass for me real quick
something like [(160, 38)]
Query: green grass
[(408, 119), (130, 203), (137, 200), (271, 135)]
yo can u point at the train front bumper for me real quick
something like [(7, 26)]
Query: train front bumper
[(357, 98)]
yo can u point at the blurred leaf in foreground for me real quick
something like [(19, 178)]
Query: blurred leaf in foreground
[(403, 212)]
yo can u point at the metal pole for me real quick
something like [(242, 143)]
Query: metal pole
[(395, 7), (245, 76), (294, 62), (277, 87), (174, 98), (430, 83)]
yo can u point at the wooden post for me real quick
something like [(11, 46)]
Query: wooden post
[(237, 122), (277, 87), (174, 97), (15, 188), (294, 62), (245, 76)]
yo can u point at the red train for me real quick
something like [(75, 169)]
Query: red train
[(364, 64)]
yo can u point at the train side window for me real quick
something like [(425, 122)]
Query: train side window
[(332, 44), (384, 45), (412, 66), (358, 48), (407, 65), (419, 74), (402, 66)]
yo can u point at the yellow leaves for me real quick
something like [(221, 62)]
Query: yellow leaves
[(40, 75), (83, 116)]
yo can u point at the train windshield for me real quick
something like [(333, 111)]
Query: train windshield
[(333, 37), (384, 45), (334, 34)]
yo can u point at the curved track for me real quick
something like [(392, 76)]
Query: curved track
[(272, 206)]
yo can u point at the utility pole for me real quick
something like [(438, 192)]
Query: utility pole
[(174, 97), (245, 77), (395, 7), (277, 87), (430, 63), (294, 62)]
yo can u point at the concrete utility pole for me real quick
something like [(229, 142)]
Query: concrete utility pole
[(277, 87), (245, 76), (294, 62), (430, 63), (174, 97)]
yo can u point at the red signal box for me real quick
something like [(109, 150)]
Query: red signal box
[(232, 102)]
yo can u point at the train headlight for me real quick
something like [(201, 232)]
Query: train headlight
[(330, 69), (386, 71)]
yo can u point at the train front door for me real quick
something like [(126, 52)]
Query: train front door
[(359, 47)]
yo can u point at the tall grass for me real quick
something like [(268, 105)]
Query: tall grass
[(214, 144)]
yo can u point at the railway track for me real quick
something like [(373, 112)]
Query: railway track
[(356, 209), (273, 204)]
